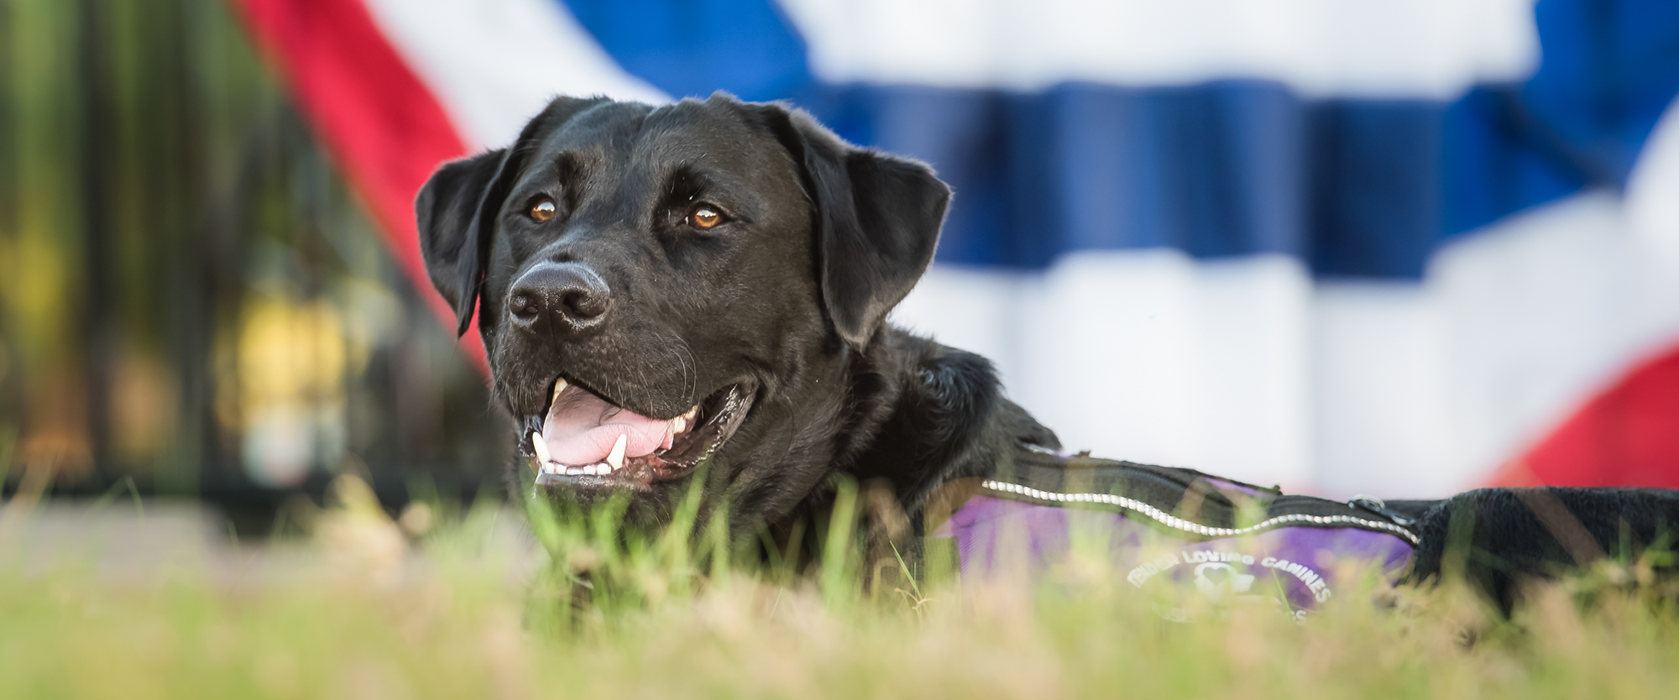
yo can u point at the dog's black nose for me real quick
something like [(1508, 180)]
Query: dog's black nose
[(558, 297)]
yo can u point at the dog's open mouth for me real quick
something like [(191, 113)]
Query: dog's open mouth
[(585, 440)]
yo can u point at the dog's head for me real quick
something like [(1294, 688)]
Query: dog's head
[(664, 287)]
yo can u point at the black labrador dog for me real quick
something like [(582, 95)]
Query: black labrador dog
[(707, 282)]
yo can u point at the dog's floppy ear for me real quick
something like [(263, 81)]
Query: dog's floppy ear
[(876, 219), (453, 238), (456, 209)]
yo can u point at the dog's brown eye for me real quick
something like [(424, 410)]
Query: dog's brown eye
[(544, 210), (705, 217)]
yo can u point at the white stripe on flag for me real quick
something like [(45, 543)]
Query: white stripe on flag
[(1145, 355), (1414, 49), (495, 63), (1424, 390)]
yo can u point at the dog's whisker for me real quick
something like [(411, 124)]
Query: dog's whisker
[(690, 368)]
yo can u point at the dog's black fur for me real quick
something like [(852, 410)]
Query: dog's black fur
[(788, 299)]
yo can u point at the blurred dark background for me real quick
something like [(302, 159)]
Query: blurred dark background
[(191, 302)]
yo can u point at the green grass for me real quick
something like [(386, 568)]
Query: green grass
[(354, 613)]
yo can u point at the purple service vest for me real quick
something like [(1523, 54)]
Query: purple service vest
[(1294, 557)]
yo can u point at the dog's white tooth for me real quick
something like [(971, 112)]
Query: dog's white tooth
[(559, 388), (689, 416), (540, 446), (678, 424), (589, 469), (574, 471), (616, 456), (553, 468)]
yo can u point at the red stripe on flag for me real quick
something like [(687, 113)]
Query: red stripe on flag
[(1626, 436), (380, 123)]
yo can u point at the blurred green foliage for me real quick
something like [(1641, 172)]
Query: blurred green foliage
[(451, 606), (189, 294)]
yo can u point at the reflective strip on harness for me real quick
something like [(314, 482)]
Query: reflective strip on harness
[(1172, 521)]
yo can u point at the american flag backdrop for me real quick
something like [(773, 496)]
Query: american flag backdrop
[(1389, 247)]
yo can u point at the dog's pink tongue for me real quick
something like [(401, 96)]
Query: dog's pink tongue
[(581, 429)]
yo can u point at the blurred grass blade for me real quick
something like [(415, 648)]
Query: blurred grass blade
[(838, 581)]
